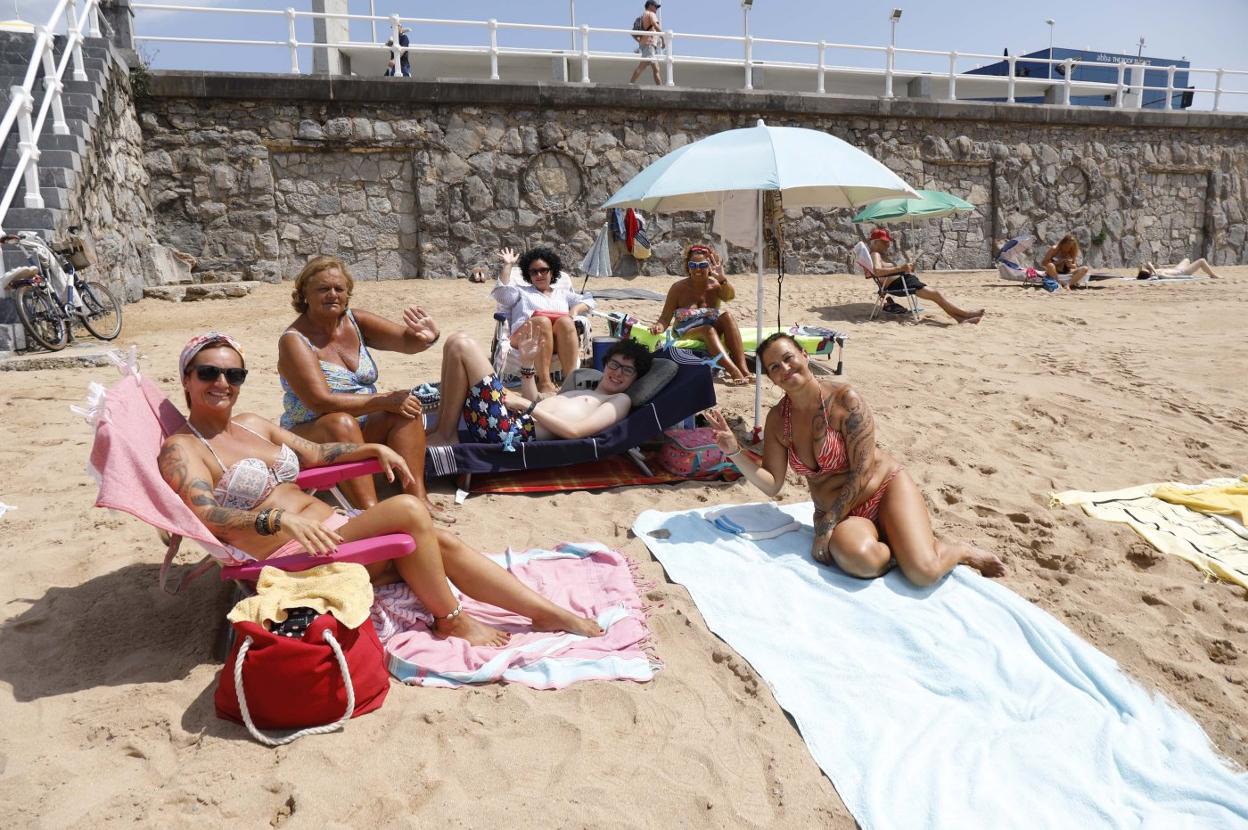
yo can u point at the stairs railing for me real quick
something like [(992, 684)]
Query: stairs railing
[(22, 100)]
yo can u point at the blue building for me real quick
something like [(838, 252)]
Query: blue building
[(1153, 77)]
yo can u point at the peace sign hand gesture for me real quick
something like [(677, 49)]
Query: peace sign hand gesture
[(724, 437)]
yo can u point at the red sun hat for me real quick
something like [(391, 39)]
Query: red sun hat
[(881, 233)]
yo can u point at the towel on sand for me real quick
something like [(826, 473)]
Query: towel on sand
[(753, 521), (1217, 545), (956, 706), (586, 578), (339, 588), (1214, 500)]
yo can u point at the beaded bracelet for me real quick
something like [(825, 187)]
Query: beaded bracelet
[(262, 522), (528, 371)]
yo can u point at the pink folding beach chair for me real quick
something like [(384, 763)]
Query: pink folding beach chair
[(132, 420)]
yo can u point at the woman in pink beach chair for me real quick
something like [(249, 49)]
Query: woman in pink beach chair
[(236, 473)]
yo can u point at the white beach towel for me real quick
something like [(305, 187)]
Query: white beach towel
[(956, 706), (753, 521)]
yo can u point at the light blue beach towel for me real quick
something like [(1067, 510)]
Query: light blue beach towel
[(956, 706)]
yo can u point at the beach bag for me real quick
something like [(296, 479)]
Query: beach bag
[(641, 245), (692, 453), (314, 683)]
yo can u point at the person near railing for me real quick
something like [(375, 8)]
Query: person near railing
[(404, 63), (648, 45)]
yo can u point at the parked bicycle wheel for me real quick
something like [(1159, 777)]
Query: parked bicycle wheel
[(41, 317), (101, 312)]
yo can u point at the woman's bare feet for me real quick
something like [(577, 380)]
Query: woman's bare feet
[(561, 620), (988, 564), (474, 631)]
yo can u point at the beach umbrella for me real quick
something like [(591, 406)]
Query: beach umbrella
[(810, 169), (931, 204)]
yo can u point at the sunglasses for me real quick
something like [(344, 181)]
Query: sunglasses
[(623, 369), (209, 374), (533, 272), (698, 265)]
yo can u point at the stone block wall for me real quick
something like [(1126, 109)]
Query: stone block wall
[(428, 180)]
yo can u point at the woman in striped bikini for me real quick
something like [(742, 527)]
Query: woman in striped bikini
[(868, 510)]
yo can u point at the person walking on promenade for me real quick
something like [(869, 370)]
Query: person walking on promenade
[(648, 45)]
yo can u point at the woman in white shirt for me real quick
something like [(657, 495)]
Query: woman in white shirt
[(542, 306)]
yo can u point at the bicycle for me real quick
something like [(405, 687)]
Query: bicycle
[(40, 285)]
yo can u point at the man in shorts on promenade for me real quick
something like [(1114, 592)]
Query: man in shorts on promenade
[(649, 45)]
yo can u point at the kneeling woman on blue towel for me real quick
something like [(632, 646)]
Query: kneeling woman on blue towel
[(868, 510)]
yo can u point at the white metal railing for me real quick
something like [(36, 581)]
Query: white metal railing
[(1125, 92), (22, 99)]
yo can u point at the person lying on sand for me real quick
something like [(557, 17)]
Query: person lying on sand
[(694, 309), (237, 473), (495, 415), (868, 510), (907, 283), (1185, 268)]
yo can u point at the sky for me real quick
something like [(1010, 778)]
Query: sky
[(1209, 33)]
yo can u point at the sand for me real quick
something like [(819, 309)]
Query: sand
[(106, 683)]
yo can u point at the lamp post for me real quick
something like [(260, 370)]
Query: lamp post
[(1140, 53), (572, 22), (1051, 22), (893, 18)]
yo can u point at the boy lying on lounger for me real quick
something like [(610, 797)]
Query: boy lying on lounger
[(495, 415)]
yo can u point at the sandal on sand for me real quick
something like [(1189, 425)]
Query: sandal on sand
[(891, 307)]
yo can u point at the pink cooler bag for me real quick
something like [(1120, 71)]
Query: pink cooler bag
[(692, 453)]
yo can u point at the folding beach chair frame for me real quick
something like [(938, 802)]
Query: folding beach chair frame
[(507, 366)]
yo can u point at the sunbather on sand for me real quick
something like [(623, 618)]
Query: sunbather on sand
[(329, 377), (1185, 268), (1061, 262), (905, 282), (237, 474), (495, 415), (694, 308), (868, 510)]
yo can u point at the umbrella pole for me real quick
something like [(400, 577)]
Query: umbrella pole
[(758, 359)]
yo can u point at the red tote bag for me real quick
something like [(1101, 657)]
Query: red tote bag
[(314, 684)]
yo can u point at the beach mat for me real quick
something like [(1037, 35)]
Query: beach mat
[(587, 578), (626, 294), (616, 471), (1214, 545), (956, 706)]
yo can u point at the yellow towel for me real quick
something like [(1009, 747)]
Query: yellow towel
[(339, 588), (1227, 500)]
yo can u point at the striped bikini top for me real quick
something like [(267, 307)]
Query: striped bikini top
[(248, 482), (831, 458)]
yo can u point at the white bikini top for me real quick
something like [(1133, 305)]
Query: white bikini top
[(248, 482)]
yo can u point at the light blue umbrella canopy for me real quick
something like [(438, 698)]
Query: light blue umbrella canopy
[(930, 204), (812, 168)]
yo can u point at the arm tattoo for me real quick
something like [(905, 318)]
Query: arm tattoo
[(332, 452), (859, 431), (222, 521), (172, 463)]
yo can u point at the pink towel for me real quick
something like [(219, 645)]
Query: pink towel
[(131, 420), (588, 578)]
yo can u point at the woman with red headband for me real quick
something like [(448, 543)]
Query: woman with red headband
[(693, 308)]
